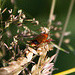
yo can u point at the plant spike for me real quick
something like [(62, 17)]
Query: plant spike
[(59, 47)]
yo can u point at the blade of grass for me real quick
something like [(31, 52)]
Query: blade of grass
[(66, 72), (59, 47)]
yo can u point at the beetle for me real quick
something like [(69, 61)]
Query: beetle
[(39, 39)]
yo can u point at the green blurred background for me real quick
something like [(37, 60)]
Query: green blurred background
[(39, 9)]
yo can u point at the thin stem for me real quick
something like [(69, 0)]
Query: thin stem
[(0, 3), (0, 16), (15, 7), (3, 3), (64, 29), (65, 26), (51, 13)]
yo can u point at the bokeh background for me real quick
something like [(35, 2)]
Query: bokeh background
[(40, 9)]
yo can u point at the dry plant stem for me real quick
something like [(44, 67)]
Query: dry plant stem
[(41, 62), (64, 29), (65, 26), (51, 13)]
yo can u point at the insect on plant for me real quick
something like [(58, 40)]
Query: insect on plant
[(39, 39)]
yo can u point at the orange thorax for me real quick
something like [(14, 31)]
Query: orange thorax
[(41, 38)]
